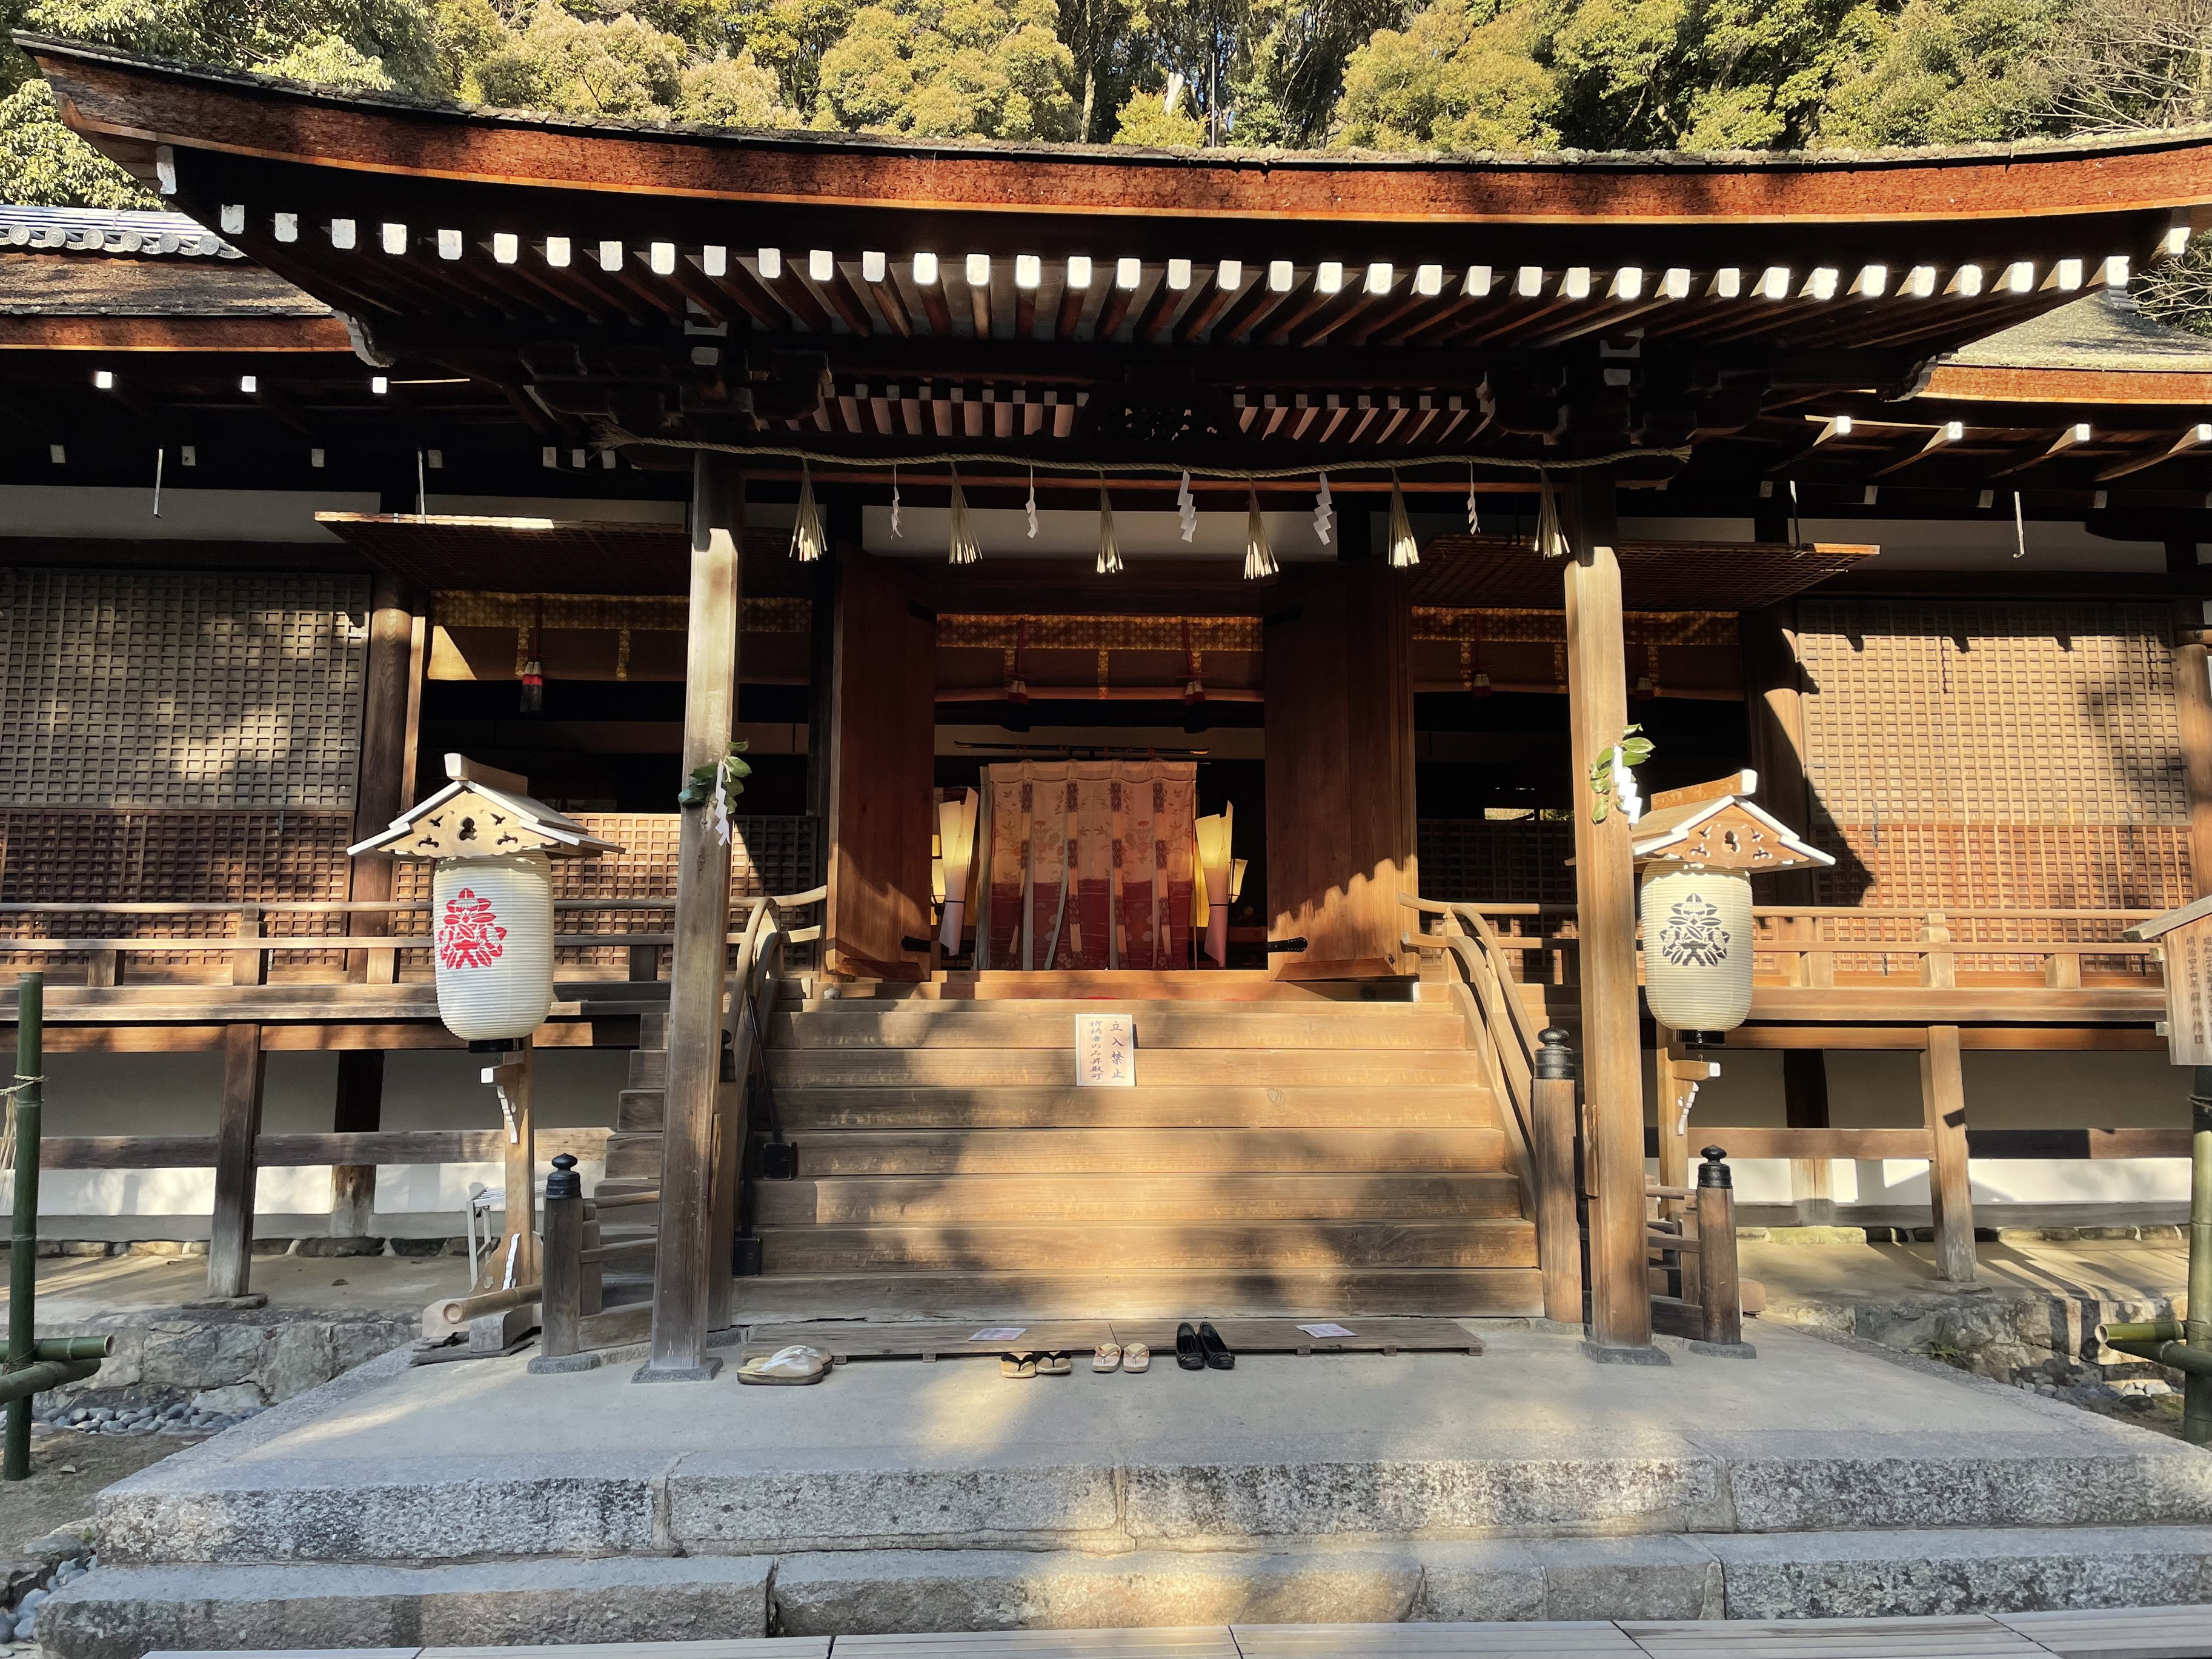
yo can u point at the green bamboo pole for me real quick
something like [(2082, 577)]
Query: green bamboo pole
[(23, 1231)]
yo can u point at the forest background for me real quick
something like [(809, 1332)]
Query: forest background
[(1509, 75)]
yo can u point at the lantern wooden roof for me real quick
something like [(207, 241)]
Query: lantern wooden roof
[(1718, 827), (482, 814)]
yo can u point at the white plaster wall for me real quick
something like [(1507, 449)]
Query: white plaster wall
[(1873, 1089), (182, 1094)]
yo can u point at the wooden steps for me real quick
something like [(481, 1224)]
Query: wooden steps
[(1171, 1201), (1287, 1150)]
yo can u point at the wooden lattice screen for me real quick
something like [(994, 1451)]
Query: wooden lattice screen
[(1970, 754), (180, 688)]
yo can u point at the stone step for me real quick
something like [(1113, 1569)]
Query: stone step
[(1051, 1024), (1946, 1575), (1041, 1106), (1348, 1152), (1139, 1247), (1162, 1199), (1371, 1068)]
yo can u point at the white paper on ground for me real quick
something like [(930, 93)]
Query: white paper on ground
[(1327, 1330), (998, 1333)]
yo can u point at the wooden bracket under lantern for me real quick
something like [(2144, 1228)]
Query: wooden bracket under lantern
[(2185, 941), (1716, 826), (482, 814)]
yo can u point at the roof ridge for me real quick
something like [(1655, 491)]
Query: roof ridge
[(109, 231)]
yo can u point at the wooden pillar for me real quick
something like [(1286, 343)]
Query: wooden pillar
[(515, 1261), (230, 1233), (1605, 897), (359, 1110), (390, 705), (697, 976), (2193, 695), (1943, 1100), (1341, 830), (1666, 1099), (1805, 1106), (1774, 690), (883, 757)]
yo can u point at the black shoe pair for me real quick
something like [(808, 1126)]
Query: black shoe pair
[(1202, 1349)]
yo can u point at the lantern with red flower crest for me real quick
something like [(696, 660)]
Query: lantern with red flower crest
[(492, 847)]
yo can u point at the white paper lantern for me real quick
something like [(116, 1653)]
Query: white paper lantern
[(1697, 946), (493, 930)]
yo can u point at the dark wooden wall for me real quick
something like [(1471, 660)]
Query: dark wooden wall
[(883, 712), (1340, 737)]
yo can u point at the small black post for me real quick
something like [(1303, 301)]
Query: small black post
[(1720, 1292), (560, 1270)]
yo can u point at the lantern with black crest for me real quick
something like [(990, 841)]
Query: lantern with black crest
[(491, 847), (1696, 851)]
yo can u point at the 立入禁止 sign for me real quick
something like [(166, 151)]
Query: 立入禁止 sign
[(1105, 1051)]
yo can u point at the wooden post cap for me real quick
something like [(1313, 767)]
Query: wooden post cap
[(564, 1182), (1553, 1058), (1712, 1172)]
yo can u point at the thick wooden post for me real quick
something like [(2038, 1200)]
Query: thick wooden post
[(1559, 1223), (2192, 685), (1805, 1106), (1774, 691), (359, 1110), (699, 971), (390, 706), (230, 1233), (1943, 1099), (1605, 897), (516, 1261)]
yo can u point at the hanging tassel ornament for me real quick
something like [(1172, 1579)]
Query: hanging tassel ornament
[(1324, 514), (963, 548), (1550, 541), (1259, 557), (1031, 505), (1186, 509), (896, 531), (808, 543), (1473, 511), (1405, 551), (1109, 555)]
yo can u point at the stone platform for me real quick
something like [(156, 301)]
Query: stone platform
[(478, 1503)]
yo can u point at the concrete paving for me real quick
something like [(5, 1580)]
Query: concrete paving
[(1526, 1483)]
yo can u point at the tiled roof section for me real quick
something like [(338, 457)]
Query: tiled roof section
[(149, 264), (110, 230), (38, 285), (2103, 331)]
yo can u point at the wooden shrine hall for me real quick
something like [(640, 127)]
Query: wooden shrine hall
[(1116, 494)]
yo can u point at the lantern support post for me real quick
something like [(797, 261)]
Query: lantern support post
[(516, 1261), (697, 975), (1620, 1328)]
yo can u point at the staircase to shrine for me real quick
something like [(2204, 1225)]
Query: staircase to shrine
[(1283, 1151)]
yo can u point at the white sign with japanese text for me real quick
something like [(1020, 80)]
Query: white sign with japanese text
[(1105, 1051)]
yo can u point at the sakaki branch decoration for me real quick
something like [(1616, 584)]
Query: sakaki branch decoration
[(715, 785), (1613, 777)]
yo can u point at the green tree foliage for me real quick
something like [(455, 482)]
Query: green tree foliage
[(986, 68), (1463, 75), (388, 44), (42, 161), (788, 38)]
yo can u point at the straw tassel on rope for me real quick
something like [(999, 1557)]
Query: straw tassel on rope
[(1259, 557), (1404, 550), (1551, 540), (808, 543), (963, 548), (1109, 554)]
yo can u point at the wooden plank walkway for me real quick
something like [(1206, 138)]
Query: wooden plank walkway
[(2090, 1633)]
